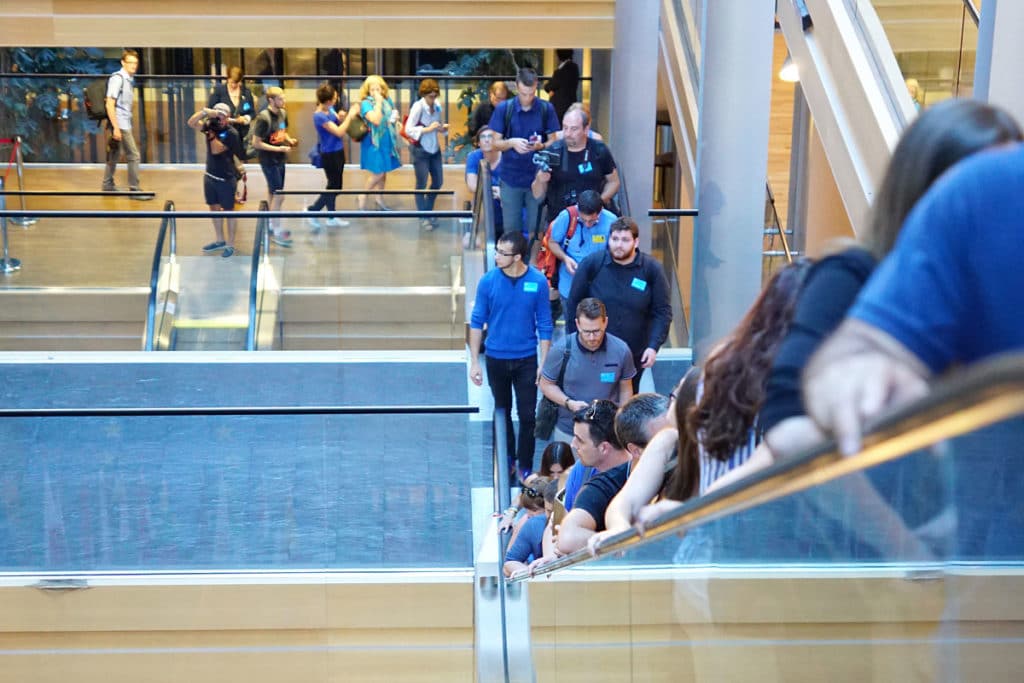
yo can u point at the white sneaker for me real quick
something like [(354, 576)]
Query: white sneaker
[(314, 224), (336, 223)]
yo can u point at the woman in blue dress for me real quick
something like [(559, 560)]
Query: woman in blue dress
[(379, 154)]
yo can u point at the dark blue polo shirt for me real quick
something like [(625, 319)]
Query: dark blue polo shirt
[(517, 169)]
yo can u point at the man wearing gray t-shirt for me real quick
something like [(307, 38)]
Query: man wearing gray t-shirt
[(600, 365)]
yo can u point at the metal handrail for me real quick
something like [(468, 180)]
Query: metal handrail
[(671, 213), (167, 224), (187, 411), (974, 398), (972, 11), (777, 223), (260, 252), (11, 213)]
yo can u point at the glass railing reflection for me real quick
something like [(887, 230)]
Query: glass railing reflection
[(903, 568)]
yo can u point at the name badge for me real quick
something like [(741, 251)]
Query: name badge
[(245, 106), (585, 168), (639, 284), (530, 287), (608, 377), (598, 239)]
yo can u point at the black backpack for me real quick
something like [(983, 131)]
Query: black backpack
[(96, 98)]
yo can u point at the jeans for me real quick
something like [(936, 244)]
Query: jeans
[(334, 163), (519, 374), (422, 164), (131, 157), (513, 199)]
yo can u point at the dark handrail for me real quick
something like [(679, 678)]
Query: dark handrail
[(276, 77), (260, 246), (234, 214), (343, 192), (167, 223), (671, 213), (974, 398), (483, 210), (79, 193), (777, 223), (621, 198), (184, 411)]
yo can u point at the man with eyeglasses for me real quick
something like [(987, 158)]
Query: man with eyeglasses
[(599, 366), (523, 125), (512, 300), (119, 99), (590, 235), (634, 289)]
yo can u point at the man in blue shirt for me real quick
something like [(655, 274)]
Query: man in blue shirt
[(593, 227), (949, 293), (512, 299), (523, 125), (120, 96)]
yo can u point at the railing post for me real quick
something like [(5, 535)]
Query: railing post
[(8, 265), (19, 167)]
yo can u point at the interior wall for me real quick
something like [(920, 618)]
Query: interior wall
[(827, 219), (311, 23)]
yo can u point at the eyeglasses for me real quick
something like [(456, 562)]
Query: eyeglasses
[(591, 413), (530, 491), (590, 333), (509, 254)]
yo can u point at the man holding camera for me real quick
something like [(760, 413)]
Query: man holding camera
[(223, 146), (576, 163), (522, 125)]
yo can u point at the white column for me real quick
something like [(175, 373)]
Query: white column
[(732, 164), (998, 77), (634, 104)]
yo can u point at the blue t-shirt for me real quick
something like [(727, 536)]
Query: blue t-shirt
[(951, 289), (328, 141), (579, 474), (585, 241), (518, 169), (529, 544), (516, 311)]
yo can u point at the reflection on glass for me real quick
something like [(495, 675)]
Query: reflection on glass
[(906, 571)]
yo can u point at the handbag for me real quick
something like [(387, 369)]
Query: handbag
[(547, 410), (357, 129), (315, 158)]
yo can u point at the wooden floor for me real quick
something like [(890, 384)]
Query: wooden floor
[(118, 252)]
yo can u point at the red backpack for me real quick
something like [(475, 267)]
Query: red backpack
[(546, 262)]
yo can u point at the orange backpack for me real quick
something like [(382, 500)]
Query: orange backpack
[(546, 262)]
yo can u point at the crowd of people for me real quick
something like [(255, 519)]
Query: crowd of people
[(827, 346)]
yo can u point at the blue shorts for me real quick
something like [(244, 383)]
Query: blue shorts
[(274, 173)]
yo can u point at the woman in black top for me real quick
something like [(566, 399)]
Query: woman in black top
[(239, 99)]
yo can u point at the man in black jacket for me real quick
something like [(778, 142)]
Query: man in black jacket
[(634, 290)]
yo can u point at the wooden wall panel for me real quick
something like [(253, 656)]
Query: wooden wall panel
[(314, 23)]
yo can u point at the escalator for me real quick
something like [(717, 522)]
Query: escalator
[(198, 303)]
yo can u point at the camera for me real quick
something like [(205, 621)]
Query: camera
[(215, 124), (546, 160)]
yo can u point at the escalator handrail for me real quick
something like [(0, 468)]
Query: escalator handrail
[(976, 397), (972, 11), (260, 246), (167, 224)]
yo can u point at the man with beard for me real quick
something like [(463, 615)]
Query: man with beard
[(634, 290)]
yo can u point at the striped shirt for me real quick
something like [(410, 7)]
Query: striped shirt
[(713, 468)]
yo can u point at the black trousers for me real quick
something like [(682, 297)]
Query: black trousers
[(334, 163), (519, 375)]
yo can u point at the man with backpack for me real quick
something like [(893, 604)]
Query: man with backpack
[(634, 290), (118, 101), (272, 143), (522, 125), (577, 232)]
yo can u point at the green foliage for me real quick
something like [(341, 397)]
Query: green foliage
[(487, 64), (48, 113)]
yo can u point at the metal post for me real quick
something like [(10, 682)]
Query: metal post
[(19, 166), (8, 265)]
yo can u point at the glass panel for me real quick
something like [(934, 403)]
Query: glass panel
[(935, 44), (672, 246), (193, 492), (907, 571)]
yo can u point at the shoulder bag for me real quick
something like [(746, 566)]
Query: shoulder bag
[(547, 410)]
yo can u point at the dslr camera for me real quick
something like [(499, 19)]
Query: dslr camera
[(546, 160)]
